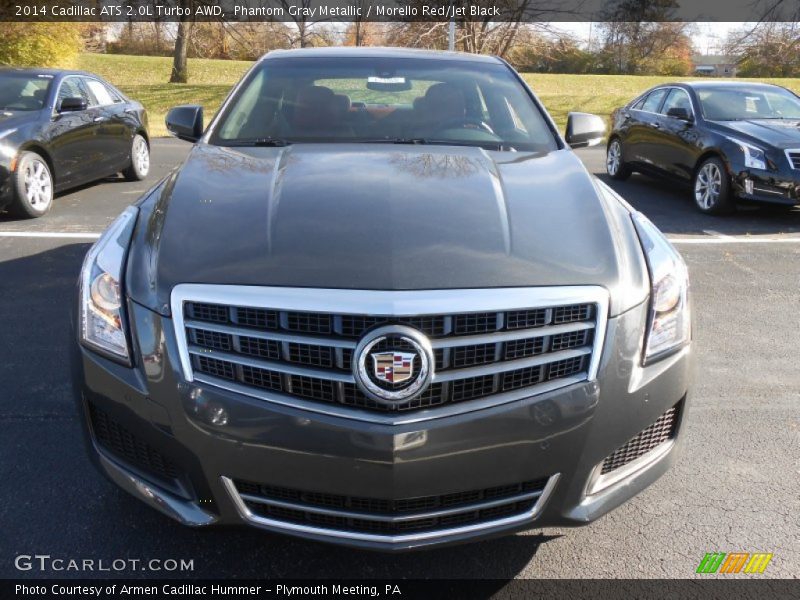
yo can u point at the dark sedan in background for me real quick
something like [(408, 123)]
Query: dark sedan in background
[(731, 140), (60, 129)]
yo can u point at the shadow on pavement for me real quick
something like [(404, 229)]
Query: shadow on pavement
[(670, 206), (54, 502)]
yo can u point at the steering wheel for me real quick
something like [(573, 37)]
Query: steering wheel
[(465, 123)]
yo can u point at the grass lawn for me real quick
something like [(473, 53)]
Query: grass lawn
[(145, 78)]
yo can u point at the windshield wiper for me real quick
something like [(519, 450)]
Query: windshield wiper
[(470, 144), (262, 142)]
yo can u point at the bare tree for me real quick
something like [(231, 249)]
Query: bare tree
[(180, 57), (769, 49)]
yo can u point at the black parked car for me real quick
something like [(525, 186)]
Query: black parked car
[(60, 129), (382, 303), (730, 140)]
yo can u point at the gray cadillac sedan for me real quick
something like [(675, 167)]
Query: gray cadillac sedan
[(383, 304)]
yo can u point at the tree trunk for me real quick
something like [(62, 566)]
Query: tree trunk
[(180, 63)]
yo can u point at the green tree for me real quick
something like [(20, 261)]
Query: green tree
[(40, 44)]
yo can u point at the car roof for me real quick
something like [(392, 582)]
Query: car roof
[(35, 71), (380, 52), (725, 84)]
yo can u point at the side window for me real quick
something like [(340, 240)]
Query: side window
[(100, 93), (71, 88), (639, 103), (677, 99), (654, 100)]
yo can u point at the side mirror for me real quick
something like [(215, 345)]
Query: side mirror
[(584, 129), (76, 104), (185, 122), (679, 113)]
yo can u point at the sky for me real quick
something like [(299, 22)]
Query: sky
[(707, 39)]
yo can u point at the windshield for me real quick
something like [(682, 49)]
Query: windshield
[(736, 104), (384, 100), (23, 91)]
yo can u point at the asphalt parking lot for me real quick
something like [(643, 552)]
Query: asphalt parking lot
[(735, 487)]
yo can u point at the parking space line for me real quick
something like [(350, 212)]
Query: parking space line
[(736, 240), (49, 234)]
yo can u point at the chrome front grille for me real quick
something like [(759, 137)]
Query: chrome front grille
[(278, 344), (794, 158), (388, 520)]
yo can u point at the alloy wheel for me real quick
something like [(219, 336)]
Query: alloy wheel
[(613, 158), (38, 186), (708, 186), (141, 154)]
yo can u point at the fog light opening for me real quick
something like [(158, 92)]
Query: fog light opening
[(748, 186)]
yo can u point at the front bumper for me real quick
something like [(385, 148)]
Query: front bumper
[(211, 438), (778, 187)]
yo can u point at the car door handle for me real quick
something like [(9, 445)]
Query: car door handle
[(99, 119), (655, 125)]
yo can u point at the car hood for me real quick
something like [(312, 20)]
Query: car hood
[(383, 217), (9, 120), (780, 133)]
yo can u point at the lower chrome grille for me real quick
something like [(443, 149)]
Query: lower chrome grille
[(279, 343), (353, 515), (648, 439), (123, 444)]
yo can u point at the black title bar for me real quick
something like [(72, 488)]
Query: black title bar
[(312, 11)]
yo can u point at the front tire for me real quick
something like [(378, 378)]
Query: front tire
[(711, 188), (615, 167), (32, 185), (140, 159)]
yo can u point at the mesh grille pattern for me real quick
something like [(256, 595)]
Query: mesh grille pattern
[(212, 313), (468, 356), (354, 326), (312, 388), (322, 343), (268, 349), (565, 368), (215, 367), (475, 387), (261, 378), (521, 378), (475, 323), (794, 158), (125, 445), (565, 341), (571, 314), (258, 318), (316, 356), (660, 431), (524, 348), (524, 319), (370, 508), (309, 322), (213, 340)]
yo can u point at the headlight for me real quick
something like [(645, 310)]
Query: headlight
[(102, 299), (754, 158), (669, 325)]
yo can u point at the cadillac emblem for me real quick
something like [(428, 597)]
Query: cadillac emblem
[(394, 367), (393, 364)]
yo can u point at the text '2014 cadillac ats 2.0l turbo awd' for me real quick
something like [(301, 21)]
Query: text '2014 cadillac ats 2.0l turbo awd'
[(382, 303)]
